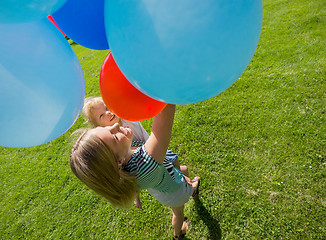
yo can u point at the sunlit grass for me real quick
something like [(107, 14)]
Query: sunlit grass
[(259, 148)]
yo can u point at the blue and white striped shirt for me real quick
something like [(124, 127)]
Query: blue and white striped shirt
[(151, 174)]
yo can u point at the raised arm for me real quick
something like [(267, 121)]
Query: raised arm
[(159, 140)]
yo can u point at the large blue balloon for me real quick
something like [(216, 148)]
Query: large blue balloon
[(12, 11), (83, 22), (183, 51), (42, 86)]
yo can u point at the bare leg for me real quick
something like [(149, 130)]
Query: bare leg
[(177, 220), (137, 202), (182, 168), (176, 164)]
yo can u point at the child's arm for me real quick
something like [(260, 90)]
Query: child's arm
[(159, 140)]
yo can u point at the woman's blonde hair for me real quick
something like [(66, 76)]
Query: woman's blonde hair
[(89, 104), (94, 163)]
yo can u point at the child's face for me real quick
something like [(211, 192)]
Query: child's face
[(117, 138), (103, 116)]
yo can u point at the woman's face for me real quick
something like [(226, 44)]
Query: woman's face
[(103, 116), (117, 138)]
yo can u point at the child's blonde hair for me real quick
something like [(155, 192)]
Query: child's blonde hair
[(89, 104), (94, 163)]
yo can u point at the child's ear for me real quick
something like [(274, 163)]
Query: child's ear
[(120, 162)]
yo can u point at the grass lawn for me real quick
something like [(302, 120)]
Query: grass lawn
[(259, 147)]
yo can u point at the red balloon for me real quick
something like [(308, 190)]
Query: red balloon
[(122, 98), (51, 19)]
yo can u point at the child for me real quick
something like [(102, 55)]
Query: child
[(103, 159), (97, 114)]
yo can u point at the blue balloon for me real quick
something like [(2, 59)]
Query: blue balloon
[(27, 10), (183, 51), (83, 22), (42, 84)]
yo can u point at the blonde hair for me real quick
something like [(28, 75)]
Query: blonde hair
[(89, 104), (94, 163)]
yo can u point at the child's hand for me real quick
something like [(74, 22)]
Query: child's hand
[(187, 180)]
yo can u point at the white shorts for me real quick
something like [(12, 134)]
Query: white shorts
[(175, 199)]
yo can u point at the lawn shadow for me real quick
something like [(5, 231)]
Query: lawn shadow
[(211, 223)]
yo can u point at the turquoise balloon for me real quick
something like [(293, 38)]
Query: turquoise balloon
[(183, 51), (42, 84), (14, 11)]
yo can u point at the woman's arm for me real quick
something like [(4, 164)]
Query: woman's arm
[(159, 140)]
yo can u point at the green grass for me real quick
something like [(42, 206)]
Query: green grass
[(259, 148)]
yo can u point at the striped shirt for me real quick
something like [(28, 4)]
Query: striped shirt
[(137, 143), (151, 174)]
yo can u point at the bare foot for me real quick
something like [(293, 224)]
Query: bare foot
[(184, 229), (195, 185)]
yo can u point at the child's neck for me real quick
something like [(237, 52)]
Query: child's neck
[(129, 154)]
